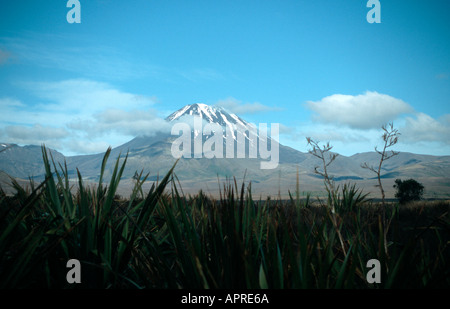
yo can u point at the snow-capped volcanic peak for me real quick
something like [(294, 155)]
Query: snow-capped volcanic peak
[(210, 114)]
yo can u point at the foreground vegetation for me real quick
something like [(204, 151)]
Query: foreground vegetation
[(164, 239)]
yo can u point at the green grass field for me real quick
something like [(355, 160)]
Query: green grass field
[(166, 239)]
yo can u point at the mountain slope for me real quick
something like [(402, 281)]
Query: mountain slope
[(153, 155), (25, 161)]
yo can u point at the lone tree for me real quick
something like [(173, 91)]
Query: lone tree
[(408, 190)]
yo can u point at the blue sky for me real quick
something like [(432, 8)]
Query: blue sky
[(317, 68)]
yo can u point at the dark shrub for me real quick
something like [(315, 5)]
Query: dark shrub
[(408, 190)]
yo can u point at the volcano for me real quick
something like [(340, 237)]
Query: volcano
[(153, 155)]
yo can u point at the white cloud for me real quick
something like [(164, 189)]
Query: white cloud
[(78, 115), (77, 103), (346, 141), (238, 107), (364, 111), (420, 133), (10, 103), (79, 146), (35, 135), (424, 128), (82, 96), (131, 123)]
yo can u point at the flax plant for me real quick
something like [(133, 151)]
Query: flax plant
[(390, 138), (164, 239)]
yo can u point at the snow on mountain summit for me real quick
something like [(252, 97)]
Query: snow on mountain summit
[(210, 114)]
